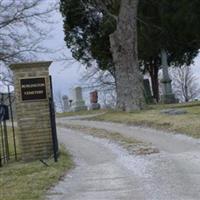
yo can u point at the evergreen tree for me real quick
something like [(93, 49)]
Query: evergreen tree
[(106, 31)]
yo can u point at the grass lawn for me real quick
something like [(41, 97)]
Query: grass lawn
[(30, 181), (188, 124)]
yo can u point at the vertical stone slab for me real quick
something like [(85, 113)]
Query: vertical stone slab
[(147, 91), (32, 91), (94, 105), (78, 103), (66, 106), (167, 96)]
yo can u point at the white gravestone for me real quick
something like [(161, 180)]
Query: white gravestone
[(78, 103)]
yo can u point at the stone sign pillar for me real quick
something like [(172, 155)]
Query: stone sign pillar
[(94, 105), (78, 103), (167, 96), (32, 91)]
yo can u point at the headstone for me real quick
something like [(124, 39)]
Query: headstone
[(78, 103), (66, 106), (167, 96), (174, 111), (147, 92), (32, 91), (94, 97), (94, 105)]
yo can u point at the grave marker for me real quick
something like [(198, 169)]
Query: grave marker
[(94, 105), (167, 96), (66, 106), (147, 92), (78, 103)]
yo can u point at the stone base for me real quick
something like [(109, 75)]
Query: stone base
[(174, 111), (78, 106), (95, 106), (168, 99)]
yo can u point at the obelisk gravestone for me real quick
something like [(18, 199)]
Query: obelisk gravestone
[(167, 96)]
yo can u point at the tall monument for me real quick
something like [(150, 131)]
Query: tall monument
[(167, 96)]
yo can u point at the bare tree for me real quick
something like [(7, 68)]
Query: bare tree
[(59, 102), (184, 83), (95, 78), (5, 76), (102, 81), (22, 30)]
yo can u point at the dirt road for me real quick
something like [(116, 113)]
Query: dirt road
[(105, 171)]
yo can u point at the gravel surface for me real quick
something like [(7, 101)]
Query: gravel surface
[(105, 171)]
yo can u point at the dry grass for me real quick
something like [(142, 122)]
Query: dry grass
[(188, 124), (80, 113), (133, 146)]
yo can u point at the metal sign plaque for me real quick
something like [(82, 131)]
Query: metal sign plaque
[(33, 89)]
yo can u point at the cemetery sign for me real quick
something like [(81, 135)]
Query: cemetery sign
[(33, 89)]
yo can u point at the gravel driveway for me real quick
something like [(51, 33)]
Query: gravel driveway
[(105, 171)]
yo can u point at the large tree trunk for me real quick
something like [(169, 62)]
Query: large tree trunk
[(129, 80)]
